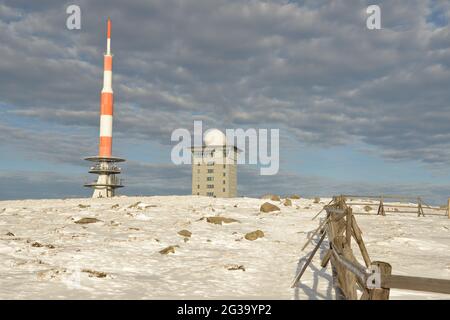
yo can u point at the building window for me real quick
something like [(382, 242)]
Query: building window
[(223, 189), (223, 181), (210, 194), (210, 186), (198, 193), (210, 179), (198, 186), (224, 166), (210, 170), (224, 174), (211, 163)]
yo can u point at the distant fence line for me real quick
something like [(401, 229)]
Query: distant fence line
[(420, 208)]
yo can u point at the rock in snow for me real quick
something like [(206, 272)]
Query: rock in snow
[(272, 197), (254, 235), (220, 220), (185, 233), (87, 220), (268, 207)]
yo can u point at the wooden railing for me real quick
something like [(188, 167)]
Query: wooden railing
[(373, 279), (421, 208)]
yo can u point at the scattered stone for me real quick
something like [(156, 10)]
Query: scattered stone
[(10, 234), (316, 200), (185, 233), (295, 196), (116, 206), (87, 220), (37, 245), (83, 206), (169, 249), (133, 228), (51, 274), (40, 245), (220, 220), (234, 267), (367, 208), (235, 206), (93, 273), (268, 207), (254, 235), (272, 197), (135, 205), (186, 239), (287, 203)]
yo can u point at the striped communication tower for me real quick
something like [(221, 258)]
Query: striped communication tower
[(105, 165)]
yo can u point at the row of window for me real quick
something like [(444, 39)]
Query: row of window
[(211, 186), (211, 164), (209, 153)]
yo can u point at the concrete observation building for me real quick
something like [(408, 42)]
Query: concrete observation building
[(214, 167)]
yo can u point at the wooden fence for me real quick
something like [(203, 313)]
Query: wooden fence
[(374, 279), (421, 208)]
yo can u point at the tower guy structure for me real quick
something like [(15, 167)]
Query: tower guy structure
[(214, 167), (105, 164)]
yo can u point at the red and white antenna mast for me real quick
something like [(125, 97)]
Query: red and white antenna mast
[(105, 165)]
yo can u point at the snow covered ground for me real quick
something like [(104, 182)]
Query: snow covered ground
[(45, 254)]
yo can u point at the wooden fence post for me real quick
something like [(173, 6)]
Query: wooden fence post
[(348, 230), (448, 208), (419, 208), (381, 208), (381, 293)]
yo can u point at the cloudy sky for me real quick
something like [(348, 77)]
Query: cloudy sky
[(360, 111)]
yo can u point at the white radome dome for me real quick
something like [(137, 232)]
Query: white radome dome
[(214, 137)]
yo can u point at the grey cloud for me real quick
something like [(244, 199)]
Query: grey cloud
[(308, 67)]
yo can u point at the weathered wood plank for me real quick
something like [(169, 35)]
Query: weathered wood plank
[(326, 259), (416, 283), (359, 240)]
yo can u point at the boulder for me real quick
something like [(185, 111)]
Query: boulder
[(87, 220), (169, 249), (295, 196), (272, 197), (316, 200), (268, 207), (220, 220), (93, 273), (254, 235), (185, 233), (134, 205), (287, 203)]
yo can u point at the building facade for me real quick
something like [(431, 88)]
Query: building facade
[(214, 171)]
